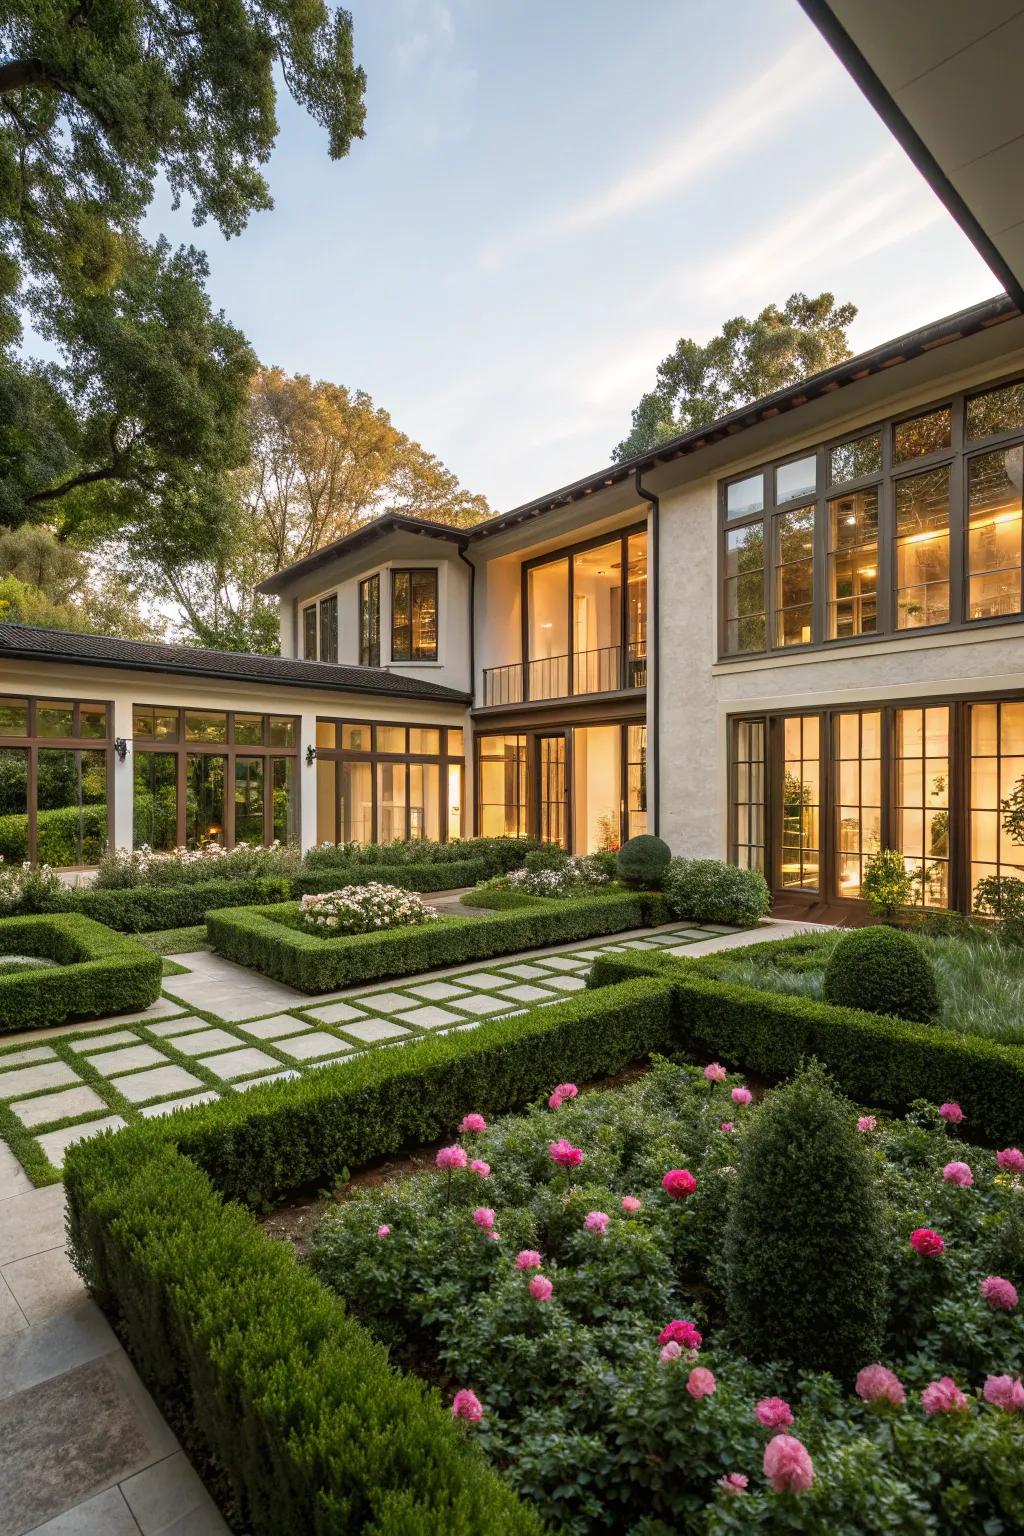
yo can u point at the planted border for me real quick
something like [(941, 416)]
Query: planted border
[(449, 876), (97, 971), (256, 937)]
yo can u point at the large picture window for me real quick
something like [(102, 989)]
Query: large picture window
[(501, 780), (55, 764), (414, 615), (385, 783)]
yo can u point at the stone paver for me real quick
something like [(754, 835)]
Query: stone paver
[(429, 1017), (167, 1494), (228, 990), (23, 1080), (202, 1041), (270, 1077), (280, 1025), (240, 1063), (12, 1318), (481, 1003), (179, 1026), (567, 983), (307, 1047), (437, 991), (43, 1285), (374, 1029), (13, 1178), (152, 1111), (526, 972), (126, 1059), (58, 1106), (32, 1221), (564, 963), (23, 1058), (56, 1143), (140, 1086), (482, 979), (386, 1002), (101, 1042), (528, 993)]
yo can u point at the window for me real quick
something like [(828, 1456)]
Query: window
[(391, 738), (414, 615), (424, 740), (309, 633), (922, 800), (636, 780), (797, 478), (547, 605), (596, 618), (155, 800), (54, 781), (855, 460), (794, 576), (502, 786), (853, 564), (369, 622), (994, 533), (857, 773), (249, 810), (636, 611), (551, 793), (205, 727), (922, 549), (801, 803), (745, 616), (329, 629), (922, 434), (748, 795), (249, 730), (995, 411), (745, 496), (997, 774), (369, 788)]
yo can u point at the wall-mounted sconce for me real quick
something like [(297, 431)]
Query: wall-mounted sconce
[(121, 748), (310, 756)]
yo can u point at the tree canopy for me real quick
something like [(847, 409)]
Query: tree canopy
[(699, 382)]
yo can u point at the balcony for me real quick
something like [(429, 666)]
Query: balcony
[(612, 669)]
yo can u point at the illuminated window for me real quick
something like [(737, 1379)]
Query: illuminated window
[(748, 791), (857, 772), (994, 533), (853, 564), (745, 618), (922, 549), (801, 802), (414, 615), (794, 576), (922, 800)]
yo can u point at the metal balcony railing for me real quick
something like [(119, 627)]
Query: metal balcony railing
[(609, 669)]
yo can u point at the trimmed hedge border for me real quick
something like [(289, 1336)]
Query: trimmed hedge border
[(310, 1427), (98, 972), (255, 937), (148, 908), (449, 876), (874, 1058)]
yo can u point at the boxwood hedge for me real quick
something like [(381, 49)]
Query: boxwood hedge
[(449, 875), (148, 908), (267, 939), (97, 971)]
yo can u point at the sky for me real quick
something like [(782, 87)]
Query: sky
[(549, 195)]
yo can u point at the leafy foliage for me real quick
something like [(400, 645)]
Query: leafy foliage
[(643, 860), (882, 971), (888, 885), (1002, 897), (711, 891)]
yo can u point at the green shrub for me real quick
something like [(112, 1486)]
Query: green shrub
[(548, 857), (882, 971), (497, 854), (97, 971), (888, 885), (448, 875), (643, 860), (148, 908), (710, 891), (64, 837), (121, 868), (805, 1279), (268, 939), (1002, 897)]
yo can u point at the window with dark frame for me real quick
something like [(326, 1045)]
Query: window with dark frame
[(329, 628), (369, 621), (378, 781), (309, 633), (414, 615), (55, 781)]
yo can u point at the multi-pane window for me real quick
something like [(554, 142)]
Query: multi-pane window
[(853, 564), (309, 632), (748, 795), (997, 789), (994, 483), (501, 764), (551, 789), (745, 617), (369, 621), (380, 782), (329, 628), (857, 774), (54, 777), (414, 615), (922, 549), (921, 749), (801, 802), (794, 576), (636, 780)]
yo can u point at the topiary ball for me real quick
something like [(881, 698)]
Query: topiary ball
[(643, 860), (882, 971)]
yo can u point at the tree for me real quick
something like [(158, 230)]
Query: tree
[(698, 382), (51, 584), (323, 460)]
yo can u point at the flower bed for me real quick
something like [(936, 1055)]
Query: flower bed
[(96, 972), (365, 908), (566, 1279), (570, 877), (449, 875)]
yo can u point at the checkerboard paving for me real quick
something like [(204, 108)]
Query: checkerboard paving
[(106, 1074)]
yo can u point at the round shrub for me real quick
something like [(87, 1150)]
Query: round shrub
[(548, 857), (710, 891), (882, 971), (643, 860), (805, 1276)]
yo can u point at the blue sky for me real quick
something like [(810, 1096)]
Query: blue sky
[(549, 195)]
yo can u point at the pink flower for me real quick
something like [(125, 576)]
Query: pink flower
[(727, 1125), (958, 1173), (877, 1384), (867, 1123), (495, 1237), (787, 1466), (943, 1396), (774, 1413), (1005, 1392), (679, 1182), (451, 1157), (630, 1204), (1012, 1159), (741, 1095), (596, 1221), (541, 1288), (383, 1230), (528, 1258), (484, 1217), (700, 1382), (565, 1153), (733, 1482), (562, 1092), (480, 1167), (682, 1332), (466, 1405), (473, 1122), (926, 1242), (951, 1112), (670, 1351), (1000, 1294), (715, 1072)]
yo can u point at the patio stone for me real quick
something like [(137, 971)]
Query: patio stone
[(47, 1074), (44, 1284), (13, 1178), (12, 1318), (107, 1512), (270, 1077), (240, 1063), (59, 1106), (436, 991), (154, 1111), (336, 1013), (166, 1496), (316, 1043), (528, 994), (482, 980), (429, 1017), (582, 954), (202, 1041), (127, 1060), (275, 1028), (177, 1026), (567, 983), (525, 972), (480, 1003), (564, 963), (230, 991), (154, 1085), (375, 1029), (157, 1010), (332, 1061), (23, 1058), (100, 1042), (56, 1143), (386, 1002)]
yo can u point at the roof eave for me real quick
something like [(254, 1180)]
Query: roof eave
[(391, 522)]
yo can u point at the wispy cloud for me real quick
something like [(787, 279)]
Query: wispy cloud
[(746, 116)]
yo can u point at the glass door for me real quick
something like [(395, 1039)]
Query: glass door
[(800, 842), (551, 789)]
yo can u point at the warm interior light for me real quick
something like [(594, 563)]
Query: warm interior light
[(866, 570)]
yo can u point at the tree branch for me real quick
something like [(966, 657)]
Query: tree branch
[(16, 74), (90, 478)]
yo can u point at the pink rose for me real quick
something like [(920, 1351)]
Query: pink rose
[(495, 1237), (1005, 1392), (715, 1072), (451, 1157), (466, 1405), (670, 1351), (741, 1095), (787, 1466), (1000, 1294), (951, 1113), (541, 1288), (564, 1153), (700, 1382), (562, 1092), (943, 1396), (926, 1242), (473, 1122), (630, 1204), (958, 1173), (682, 1332), (733, 1482), (727, 1126), (383, 1230), (1011, 1159), (867, 1123), (528, 1258), (877, 1384), (478, 1166), (774, 1413), (484, 1217), (679, 1182)]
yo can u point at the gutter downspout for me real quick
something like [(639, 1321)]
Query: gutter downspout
[(470, 758), (653, 653)]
